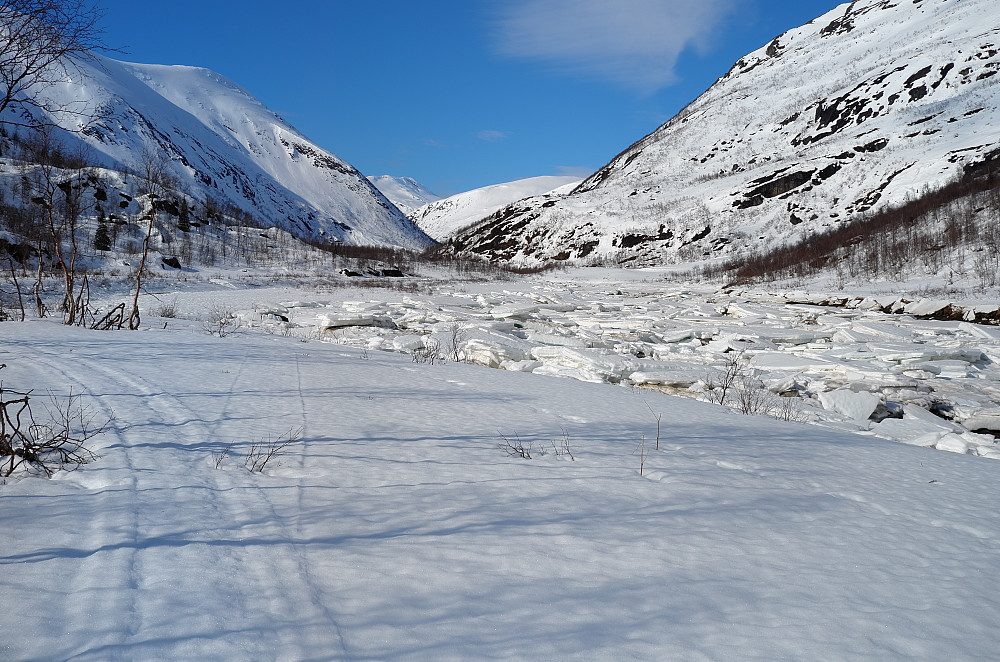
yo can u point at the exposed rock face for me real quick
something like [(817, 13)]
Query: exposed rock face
[(852, 112)]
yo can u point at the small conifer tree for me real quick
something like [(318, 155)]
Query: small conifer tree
[(102, 238)]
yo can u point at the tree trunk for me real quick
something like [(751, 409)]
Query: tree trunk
[(134, 319)]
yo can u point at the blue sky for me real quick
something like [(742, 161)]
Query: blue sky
[(460, 94)]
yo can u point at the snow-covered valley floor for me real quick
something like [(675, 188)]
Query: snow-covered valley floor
[(397, 529)]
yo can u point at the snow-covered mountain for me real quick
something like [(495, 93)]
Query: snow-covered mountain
[(223, 143), (405, 192), (872, 102), (443, 218)]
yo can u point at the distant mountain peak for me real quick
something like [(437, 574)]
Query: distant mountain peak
[(405, 192), (442, 218)]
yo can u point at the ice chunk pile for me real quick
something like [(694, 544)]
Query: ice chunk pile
[(897, 376)]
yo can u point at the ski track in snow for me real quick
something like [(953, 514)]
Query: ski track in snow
[(121, 564)]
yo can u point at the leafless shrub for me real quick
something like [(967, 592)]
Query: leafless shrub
[(44, 444), (640, 448), (262, 451), (429, 352), (788, 409), (752, 398), (514, 447), (718, 387), (456, 336), (221, 456), (657, 417), (221, 321), (563, 449), (166, 309)]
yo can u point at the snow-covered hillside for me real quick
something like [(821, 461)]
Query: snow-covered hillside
[(222, 143), (644, 526), (868, 104), (443, 218), (405, 192)]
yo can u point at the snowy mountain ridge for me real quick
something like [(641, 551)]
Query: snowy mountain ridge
[(844, 116), (405, 192), (221, 142), (442, 218)]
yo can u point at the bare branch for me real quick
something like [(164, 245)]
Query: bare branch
[(514, 447), (39, 40)]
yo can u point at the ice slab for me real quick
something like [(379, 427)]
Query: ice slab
[(677, 374), (334, 320), (514, 311), (792, 336), (666, 335), (520, 366), (856, 406), (793, 362), (611, 367), (580, 374), (493, 348), (953, 443), (983, 420), (883, 330), (916, 412), (552, 339), (365, 306), (980, 331), (407, 343), (909, 431), (925, 306), (912, 352)]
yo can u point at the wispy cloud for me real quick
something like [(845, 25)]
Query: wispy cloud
[(634, 43), (492, 136)]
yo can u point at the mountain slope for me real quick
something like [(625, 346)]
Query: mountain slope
[(851, 113), (443, 218), (221, 142), (404, 192)]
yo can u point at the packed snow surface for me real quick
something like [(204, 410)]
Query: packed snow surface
[(397, 528)]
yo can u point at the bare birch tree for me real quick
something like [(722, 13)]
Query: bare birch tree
[(38, 41), (155, 181)]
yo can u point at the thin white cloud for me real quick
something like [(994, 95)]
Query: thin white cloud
[(634, 43), (491, 135)]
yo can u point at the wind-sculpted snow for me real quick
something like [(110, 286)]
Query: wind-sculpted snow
[(222, 143), (869, 104), (397, 529)]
